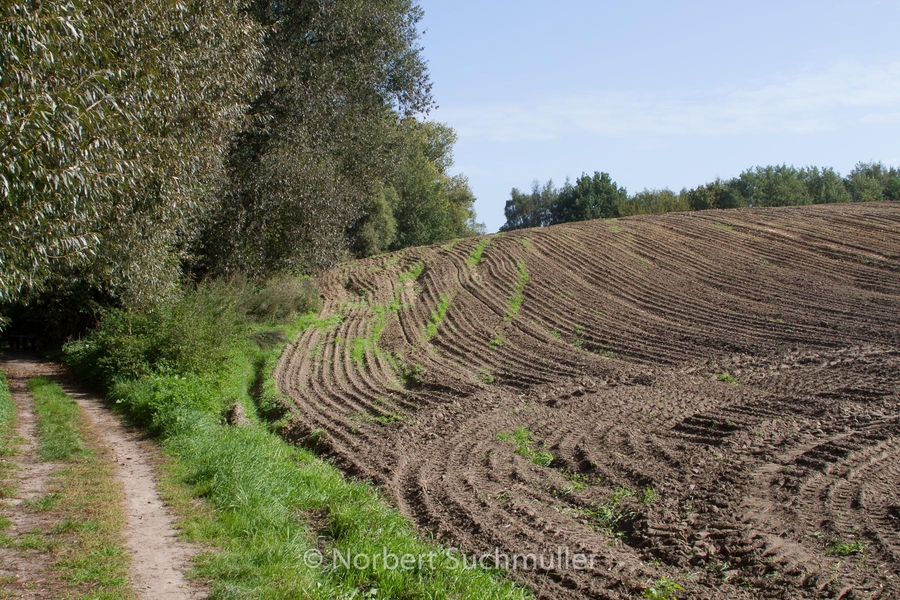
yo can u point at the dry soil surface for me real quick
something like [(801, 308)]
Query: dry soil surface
[(718, 394)]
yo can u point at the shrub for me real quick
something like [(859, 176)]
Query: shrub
[(282, 299)]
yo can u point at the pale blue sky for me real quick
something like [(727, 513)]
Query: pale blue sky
[(660, 94)]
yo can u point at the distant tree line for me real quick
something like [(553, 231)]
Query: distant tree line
[(598, 196), (143, 142)]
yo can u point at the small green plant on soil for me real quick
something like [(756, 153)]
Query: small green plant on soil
[(523, 442), (526, 243), (649, 496), (841, 548), (437, 316), (475, 257), (412, 376), (662, 589), (576, 482), (412, 273), (497, 341), (724, 227), (610, 515), (381, 314), (579, 336), (484, 376), (518, 295), (727, 378), (449, 245), (383, 419)]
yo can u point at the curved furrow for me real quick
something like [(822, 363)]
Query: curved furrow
[(749, 425)]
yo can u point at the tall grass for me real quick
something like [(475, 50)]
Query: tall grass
[(270, 508)]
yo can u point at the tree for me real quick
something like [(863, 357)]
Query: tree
[(825, 186), (376, 230), (323, 136), (871, 182), (651, 202), (590, 198), (115, 118), (775, 186), (432, 206), (530, 210)]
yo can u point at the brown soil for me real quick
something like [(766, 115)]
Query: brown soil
[(617, 363), (159, 559)]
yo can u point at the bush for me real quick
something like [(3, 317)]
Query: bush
[(282, 299), (189, 335)]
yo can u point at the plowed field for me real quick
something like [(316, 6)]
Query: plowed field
[(711, 398)]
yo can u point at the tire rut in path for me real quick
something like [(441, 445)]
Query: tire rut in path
[(159, 558), (26, 571)]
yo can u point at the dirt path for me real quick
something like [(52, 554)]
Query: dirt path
[(25, 570), (159, 559)]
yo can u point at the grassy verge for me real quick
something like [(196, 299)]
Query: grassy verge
[(8, 440), (280, 522), (82, 516)]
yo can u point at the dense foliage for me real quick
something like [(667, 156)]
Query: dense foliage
[(115, 117), (597, 196), (145, 141)]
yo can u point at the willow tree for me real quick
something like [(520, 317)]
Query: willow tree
[(116, 116)]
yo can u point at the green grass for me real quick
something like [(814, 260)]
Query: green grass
[(724, 227), (9, 441), (58, 421), (518, 295), (437, 316), (523, 442), (261, 505), (649, 496), (363, 345), (484, 376), (412, 273), (526, 243), (475, 257), (7, 419), (611, 515)]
